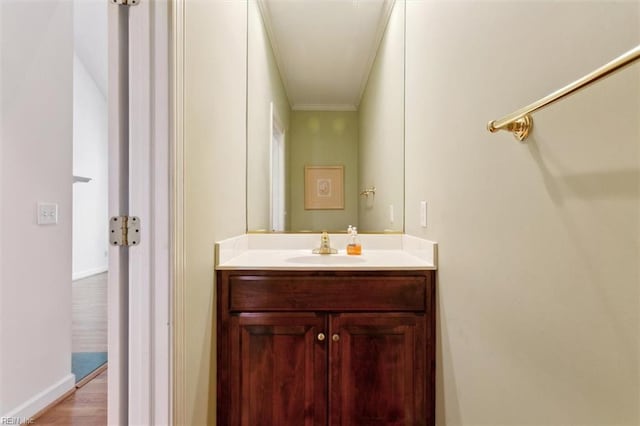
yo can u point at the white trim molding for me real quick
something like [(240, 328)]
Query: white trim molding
[(161, 172), (149, 262), (324, 107), (141, 357), (40, 401), (139, 317), (117, 394), (178, 355)]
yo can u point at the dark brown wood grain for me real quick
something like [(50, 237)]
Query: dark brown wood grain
[(273, 370), (282, 293), (377, 369), (281, 370)]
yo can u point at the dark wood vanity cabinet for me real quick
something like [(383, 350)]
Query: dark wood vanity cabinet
[(325, 348)]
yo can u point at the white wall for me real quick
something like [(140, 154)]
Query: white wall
[(381, 132), (90, 39), (538, 282), (323, 138), (215, 184), (264, 86), (90, 217), (36, 143)]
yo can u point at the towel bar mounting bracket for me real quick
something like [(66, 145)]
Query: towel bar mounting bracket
[(520, 127)]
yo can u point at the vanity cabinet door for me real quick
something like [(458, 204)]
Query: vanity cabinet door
[(378, 372), (278, 369)]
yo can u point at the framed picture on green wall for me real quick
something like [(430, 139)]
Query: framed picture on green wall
[(324, 187)]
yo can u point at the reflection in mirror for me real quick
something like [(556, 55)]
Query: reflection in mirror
[(325, 115)]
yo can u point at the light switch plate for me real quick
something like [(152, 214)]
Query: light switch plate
[(47, 213)]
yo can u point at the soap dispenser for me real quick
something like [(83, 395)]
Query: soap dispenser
[(353, 247)]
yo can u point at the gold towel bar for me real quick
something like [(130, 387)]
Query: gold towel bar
[(520, 122)]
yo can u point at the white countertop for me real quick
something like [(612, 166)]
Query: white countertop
[(294, 252)]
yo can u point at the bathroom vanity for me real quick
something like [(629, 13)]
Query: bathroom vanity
[(332, 341)]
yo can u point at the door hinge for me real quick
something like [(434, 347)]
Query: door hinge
[(125, 2), (124, 231)]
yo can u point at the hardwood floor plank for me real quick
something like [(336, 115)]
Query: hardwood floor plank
[(91, 376), (89, 306), (86, 407)]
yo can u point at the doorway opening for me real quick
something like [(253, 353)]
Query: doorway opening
[(90, 189)]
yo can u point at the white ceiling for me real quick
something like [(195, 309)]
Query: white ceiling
[(325, 48)]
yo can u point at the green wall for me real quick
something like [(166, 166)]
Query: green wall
[(323, 138), (381, 145)]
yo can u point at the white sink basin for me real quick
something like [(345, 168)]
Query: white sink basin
[(325, 259), (292, 252)]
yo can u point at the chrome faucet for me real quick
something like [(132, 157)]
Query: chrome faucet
[(325, 245)]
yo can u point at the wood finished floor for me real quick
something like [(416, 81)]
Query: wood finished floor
[(89, 318), (86, 407)]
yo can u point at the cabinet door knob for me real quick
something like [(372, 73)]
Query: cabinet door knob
[(321, 336), (335, 337)]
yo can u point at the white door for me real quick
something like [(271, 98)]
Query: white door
[(139, 339)]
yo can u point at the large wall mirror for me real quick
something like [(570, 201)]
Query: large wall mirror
[(325, 115)]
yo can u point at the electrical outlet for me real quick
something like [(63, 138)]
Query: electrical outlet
[(423, 214), (47, 213)]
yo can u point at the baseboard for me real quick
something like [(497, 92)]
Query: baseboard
[(95, 373), (45, 398), (89, 272)]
